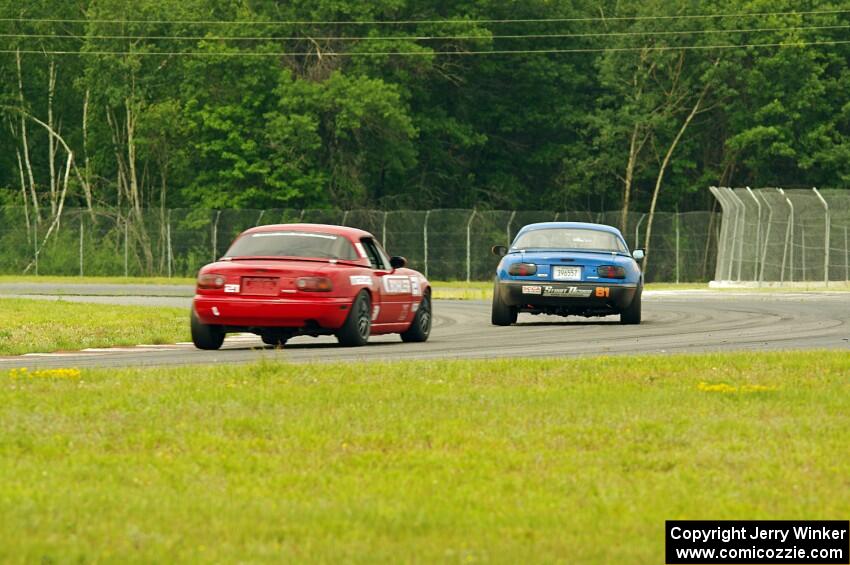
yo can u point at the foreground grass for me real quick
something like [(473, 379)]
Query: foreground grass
[(30, 326), (507, 461)]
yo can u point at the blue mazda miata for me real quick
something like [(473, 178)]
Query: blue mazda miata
[(567, 269)]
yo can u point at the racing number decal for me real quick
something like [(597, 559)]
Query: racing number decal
[(397, 285), (603, 292)]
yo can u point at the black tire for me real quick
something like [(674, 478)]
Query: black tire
[(358, 325), (420, 327), (631, 314), (277, 340), (501, 314), (205, 336)]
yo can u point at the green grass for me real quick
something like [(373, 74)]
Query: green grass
[(578, 460), (22, 279), (30, 326)]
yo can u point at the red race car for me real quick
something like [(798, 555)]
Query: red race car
[(280, 281)]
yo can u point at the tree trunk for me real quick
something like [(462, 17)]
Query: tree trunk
[(51, 144), (24, 193), (662, 170), (54, 225), (634, 151), (25, 142), (87, 186)]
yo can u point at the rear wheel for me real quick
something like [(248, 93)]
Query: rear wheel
[(358, 325), (206, 336), (631, 315), (501, 314), (420, 328)]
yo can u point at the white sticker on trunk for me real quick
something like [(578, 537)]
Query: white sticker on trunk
[(532, 289), (357, 280), (397, 285), (231, 288)]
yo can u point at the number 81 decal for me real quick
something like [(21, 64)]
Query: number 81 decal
[(603, 292)]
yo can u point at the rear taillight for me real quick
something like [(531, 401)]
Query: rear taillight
[(522, 269), (611, 272), (210, 281), (314, 284)]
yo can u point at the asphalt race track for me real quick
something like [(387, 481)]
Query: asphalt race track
[(674, 321)]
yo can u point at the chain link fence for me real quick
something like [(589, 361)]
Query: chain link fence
[(771, 235), (443, 244)]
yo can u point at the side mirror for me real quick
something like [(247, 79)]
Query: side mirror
[(398, 262), (638, 254), (499, 250)]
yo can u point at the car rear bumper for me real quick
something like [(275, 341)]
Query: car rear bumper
[(326, 313), (566, 295)]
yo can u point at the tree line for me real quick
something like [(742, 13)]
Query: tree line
[(392, 104)]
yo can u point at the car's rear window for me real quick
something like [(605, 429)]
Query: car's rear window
[(569, 238), (293, 244)]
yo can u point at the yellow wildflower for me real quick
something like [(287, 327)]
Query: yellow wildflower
[(45, 373), (725, 388)]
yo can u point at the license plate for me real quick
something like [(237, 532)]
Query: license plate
[(561, 273), (566, 291), (259, 286)]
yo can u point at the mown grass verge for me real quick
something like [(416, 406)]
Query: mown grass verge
[(23, 279), (510, 461), (33, 326)]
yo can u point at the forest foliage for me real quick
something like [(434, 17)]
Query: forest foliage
[(392, 104)]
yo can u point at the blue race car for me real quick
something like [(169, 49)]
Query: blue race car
[(567, 269)]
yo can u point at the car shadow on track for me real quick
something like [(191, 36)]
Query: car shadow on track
[(569, 323), (291, 346)]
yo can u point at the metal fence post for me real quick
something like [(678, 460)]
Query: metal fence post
[(469, 246), (35, 244), (739, 240), (766, 239), (215, 235), (260, 217), (169, 254), (344, 218), (677, 244), (384, 231), (637, 231), (825, 238), (846, 262), (789, 235), (722, 230), (126, 247), (508, 228), (82, 234), (758, 233), (425, 240), (803, 249)]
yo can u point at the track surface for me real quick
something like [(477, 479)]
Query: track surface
[(674, 321)]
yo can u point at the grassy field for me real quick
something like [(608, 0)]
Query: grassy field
[(579, 461), (30, 326), (22, 279)]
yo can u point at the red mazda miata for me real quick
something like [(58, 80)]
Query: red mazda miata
[(285, 280)]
